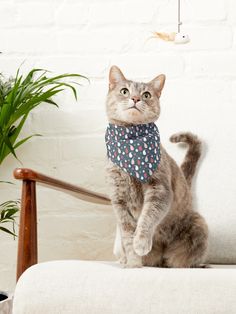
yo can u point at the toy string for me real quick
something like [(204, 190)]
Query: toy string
[(179, 22)]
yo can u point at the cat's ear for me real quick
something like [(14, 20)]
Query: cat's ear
[(115, 76), (158, 83)]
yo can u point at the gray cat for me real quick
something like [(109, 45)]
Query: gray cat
[(155, 218)]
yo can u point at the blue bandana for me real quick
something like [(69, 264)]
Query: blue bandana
[(135, 149)]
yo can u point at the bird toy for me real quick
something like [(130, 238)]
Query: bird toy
[(177, 38)]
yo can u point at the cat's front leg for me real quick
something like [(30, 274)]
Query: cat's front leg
[(157, 199), (127, 226), (143, 243), (120, 199), (118, 248), (131, 258)]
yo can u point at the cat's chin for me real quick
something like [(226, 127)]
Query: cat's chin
[(133, 116)]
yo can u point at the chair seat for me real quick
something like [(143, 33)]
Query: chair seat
[(88, 287)]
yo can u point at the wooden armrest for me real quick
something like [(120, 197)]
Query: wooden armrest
[(27, 242), (84, 194)]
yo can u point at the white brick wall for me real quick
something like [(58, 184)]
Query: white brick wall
[(87, 37)]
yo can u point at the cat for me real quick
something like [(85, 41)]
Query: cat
[(155, 219)]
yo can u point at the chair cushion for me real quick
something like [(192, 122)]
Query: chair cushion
[(88, 287)]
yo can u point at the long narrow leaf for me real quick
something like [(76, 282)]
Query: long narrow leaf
[(10, 147), (7, 231), (24, 140), (32, 103), (49, 101)]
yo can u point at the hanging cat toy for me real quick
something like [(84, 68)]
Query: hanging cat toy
[(177, 38)]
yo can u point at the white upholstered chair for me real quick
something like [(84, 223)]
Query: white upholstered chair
[(91, 287)]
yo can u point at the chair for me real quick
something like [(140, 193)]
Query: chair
[(91, 287)]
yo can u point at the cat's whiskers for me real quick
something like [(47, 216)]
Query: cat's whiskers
[(142, 108)]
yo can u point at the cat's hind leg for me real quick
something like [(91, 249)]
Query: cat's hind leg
[(188, 248), (155, 257)]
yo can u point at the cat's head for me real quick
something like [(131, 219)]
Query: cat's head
[(130, 102)]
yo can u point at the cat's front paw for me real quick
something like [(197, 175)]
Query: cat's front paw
[(142, 244), (123, 260), (135, 262)]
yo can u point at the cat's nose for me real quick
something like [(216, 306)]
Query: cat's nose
[(135, 99)]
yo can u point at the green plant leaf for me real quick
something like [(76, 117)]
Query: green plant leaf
[(8, 231), (10, 147), (19, 96), (8, 211), (51, 102), (24, 140)]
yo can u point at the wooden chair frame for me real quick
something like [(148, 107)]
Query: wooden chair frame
[(28, 242)]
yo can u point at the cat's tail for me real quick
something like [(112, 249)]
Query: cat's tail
[(193, 154)]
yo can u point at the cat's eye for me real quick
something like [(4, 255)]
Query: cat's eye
[(124, 91), (146, 95)]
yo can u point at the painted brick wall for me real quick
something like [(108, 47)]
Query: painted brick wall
[(88, 37)]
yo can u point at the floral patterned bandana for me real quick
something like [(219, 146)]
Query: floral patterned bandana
[(135, 149)]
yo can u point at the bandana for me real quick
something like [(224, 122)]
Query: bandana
[(135, 149)]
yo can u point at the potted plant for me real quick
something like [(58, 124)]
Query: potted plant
[(18, 97)]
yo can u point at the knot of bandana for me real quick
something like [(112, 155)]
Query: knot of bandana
[(135, 149)]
